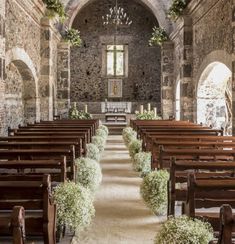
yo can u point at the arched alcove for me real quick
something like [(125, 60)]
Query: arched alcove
[(214, 98)]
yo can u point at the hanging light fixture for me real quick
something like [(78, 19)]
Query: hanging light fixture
[(116, 16)]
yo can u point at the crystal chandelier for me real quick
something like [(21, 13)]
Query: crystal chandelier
[(117, 17)]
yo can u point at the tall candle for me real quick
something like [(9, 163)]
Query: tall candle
[(74, 104), (149, 107), (85, 109), (141, 109), (155, 112)]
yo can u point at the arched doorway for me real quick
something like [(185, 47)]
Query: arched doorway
[(177, 101), (214, 97)]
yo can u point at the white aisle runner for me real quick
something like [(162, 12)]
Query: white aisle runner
[(121, 216)]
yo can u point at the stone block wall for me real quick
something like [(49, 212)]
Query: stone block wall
[(143, 83)]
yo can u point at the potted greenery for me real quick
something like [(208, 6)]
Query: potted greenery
[(159, 36), (89, 173), (176, 9), (142, 162), (153, 190), (135, 146), (55, 7), (73, 37), (184, 230), (128, 135), (99, 142), (74, 205), (92, 152)]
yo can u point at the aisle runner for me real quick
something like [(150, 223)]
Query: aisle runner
[(121, 216)]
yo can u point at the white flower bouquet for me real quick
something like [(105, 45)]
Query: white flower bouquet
[(135, 146), (99, 142), (142, 162), (93, 152)]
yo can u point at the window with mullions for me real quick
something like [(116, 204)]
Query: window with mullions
[(115, 57)]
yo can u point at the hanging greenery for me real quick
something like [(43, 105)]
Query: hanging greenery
[(73, 37), (159, 36), (55, 7), (176, 9)]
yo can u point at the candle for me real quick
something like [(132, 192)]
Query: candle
[(155, 112), (141, 109), (149, 107), (75, 104), (85, 108)]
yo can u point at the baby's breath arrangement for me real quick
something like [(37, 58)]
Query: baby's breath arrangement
[(176, 9), (153, 190), (73, 37), (128, 135), (74, 113), (55, 7), (142, 162), (159, 36), (89, 173), (92, 152), (74, 205), (99, 142), (135, 146), (105, 128), (184, 230), (101, 133), (146, 115)]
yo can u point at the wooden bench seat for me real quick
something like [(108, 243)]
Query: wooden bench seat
[(34, 194)]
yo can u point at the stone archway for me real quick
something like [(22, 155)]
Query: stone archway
[(214, 98), (21, 90)]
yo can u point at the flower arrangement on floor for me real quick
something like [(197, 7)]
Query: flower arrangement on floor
[(159, 36), (128, 135), (142, 162), (105, 128), (99, 142), (74, 113), (146, 115), (135, 146), (176, 9), (74, 205), (55, 7), (153, 190), (184, 230), (73, 37), (89, 173), (102, 133), (92, 152)]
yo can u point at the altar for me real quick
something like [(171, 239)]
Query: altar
[(116, 107)]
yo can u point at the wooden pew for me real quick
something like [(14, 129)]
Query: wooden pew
[(179, 174), (227, 225), (34, 194), (38, 154), (56, 168), (208, 193), (15, 222)]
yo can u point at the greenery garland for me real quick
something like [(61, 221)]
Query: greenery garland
[(73, 37), (55, 7), (89, 173), (184, 230), (153, 190), (159, 36), (176, 9), (74, 205)]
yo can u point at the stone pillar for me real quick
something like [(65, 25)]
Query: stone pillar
[(233, 67), (46, 76), (2, 65), (167, 69), (63, 82), (186, 71)]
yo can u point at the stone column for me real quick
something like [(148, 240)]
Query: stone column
[(2, 65), (167, 69), (186, 68), (233, 66), (63, 82), (46, 77)]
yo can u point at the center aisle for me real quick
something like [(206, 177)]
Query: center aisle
[(121, 215)]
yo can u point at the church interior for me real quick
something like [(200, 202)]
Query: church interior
[(116, 121)]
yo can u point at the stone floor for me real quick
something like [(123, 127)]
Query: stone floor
[(121, 216)]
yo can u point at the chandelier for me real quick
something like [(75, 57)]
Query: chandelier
[(117, 17)]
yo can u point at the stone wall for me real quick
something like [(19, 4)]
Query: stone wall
[(87, 81)]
